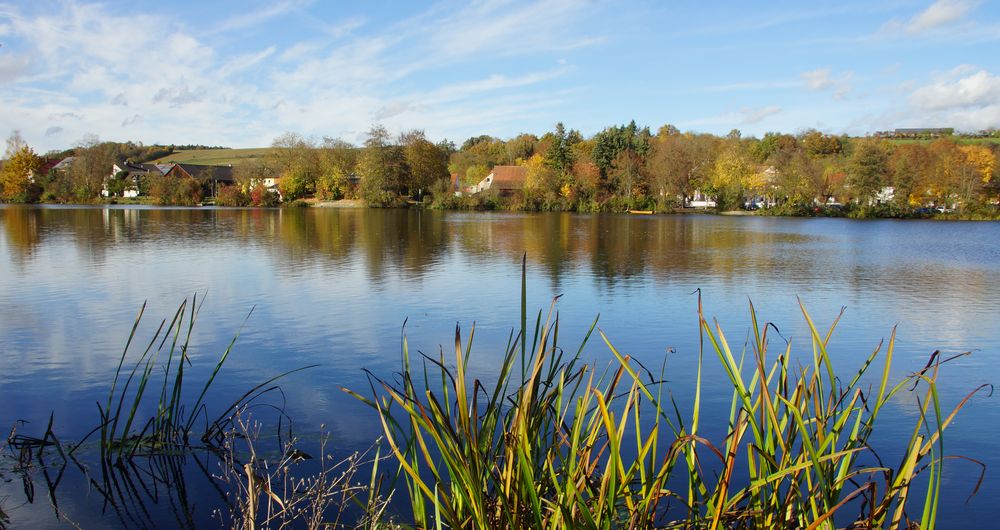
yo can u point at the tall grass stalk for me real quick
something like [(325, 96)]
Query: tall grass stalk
[(124, 431), (557, 443)]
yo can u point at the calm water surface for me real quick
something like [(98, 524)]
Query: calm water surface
[(333, 287)]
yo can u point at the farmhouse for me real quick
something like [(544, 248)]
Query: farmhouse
[(505, 179), (213, 176), (132, 173)]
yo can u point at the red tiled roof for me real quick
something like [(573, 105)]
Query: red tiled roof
[(509, 177)]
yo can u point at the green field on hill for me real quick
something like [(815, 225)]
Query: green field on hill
[(215, 157), (958, 139)]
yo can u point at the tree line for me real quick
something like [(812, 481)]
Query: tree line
[(621, 167)]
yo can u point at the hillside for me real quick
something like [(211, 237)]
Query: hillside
[(215, 157), (957, 139)]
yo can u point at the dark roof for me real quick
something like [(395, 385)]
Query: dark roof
[(47, 165), (139, 170), (217, 173)]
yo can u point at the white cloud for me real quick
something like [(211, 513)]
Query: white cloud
[(177, 95), (817, 79), (131, 121), (959, 89), (940, 14), (824, 79), (254, 18), (245, 61), (330, 82), (757, 115), (966, 98), (12, 67)]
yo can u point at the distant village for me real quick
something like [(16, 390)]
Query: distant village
[(627, 168)]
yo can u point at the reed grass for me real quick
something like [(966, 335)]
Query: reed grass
[(267, 492), (124, 432), (559, 443)]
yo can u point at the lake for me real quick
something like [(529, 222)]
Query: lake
[(333, 287)]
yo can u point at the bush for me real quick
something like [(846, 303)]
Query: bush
[(232, 196), (263, 197), (174, 191)]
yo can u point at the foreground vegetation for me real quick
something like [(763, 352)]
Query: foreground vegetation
[(559, 443), (621, 168), (552, 442)]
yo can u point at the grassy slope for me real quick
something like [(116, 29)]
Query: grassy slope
[(215, 156), (986, 141)]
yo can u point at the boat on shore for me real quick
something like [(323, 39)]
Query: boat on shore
[(641, 212)]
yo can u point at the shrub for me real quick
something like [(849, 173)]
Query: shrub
[(262, 197), (232, 196), (174, 191)]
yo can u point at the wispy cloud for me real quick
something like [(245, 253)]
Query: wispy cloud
[(825, 79), (756, 115), (259, 16), (754, 85), (940, 14)]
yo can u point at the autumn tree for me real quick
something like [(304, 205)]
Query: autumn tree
[(379, 166), (482, 151), (19, 166), (773, 144), (977, 170), (799, 177), (92, 166), (520, 147), (734, 176), (820, 144), (426, 162), (541, 178), (296, 160), (910, 173), (337, 162), (669, 166), (868, 170), (249, 173)]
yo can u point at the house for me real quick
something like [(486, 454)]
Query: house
[(884, 195), (505, 179), (698, 199), (213, 176), (132, 173)]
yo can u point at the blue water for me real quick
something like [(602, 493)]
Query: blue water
[(333, 287)]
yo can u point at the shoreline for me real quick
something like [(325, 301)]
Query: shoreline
[(358, 204)]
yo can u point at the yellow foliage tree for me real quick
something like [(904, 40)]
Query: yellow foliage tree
[(734, 175), (15, 177), (981, 160), (540, 176)]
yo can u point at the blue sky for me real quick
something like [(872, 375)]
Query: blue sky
[(241, 73)]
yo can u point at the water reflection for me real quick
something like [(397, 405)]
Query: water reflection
[(334, 286), (609, 248)]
